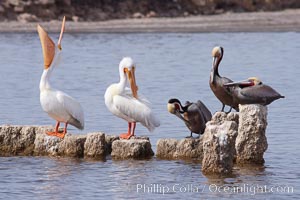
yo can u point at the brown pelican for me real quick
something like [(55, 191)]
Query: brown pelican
[(252, 91), (216, 82), (195, 115)]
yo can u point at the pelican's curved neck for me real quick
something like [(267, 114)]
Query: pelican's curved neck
[(215, 69), (216, 63), (183, 108), (44, 83), (123, 81)]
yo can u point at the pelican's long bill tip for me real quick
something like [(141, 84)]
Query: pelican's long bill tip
[(61, 33), (244, 83), (48, 46)]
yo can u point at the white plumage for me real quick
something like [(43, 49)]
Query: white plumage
[(122, 103), (59, 105)]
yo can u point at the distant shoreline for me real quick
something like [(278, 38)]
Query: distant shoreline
[(279, 21)]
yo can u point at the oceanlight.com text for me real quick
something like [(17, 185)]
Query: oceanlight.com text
[(212, 188)]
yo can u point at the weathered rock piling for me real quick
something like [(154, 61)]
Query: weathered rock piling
[(251, 142), (187, 148), (234, 137), (17, 140), (218, 145), (136, 148), (95, 146), (228, 139), (32, 141)]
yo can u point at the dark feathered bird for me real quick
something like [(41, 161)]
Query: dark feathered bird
[(252, 91), (194, 115), (216, 82)]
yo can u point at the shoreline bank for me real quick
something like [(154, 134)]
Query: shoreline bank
[(281, 21)]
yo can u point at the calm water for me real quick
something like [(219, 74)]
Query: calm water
[(168, 65)]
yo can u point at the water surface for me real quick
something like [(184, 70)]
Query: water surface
[(168, 65)]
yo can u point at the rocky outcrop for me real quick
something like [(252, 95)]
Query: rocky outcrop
[(134, 148), (235, 137), (16, 140), (227, 137), (251, 142), (89, 10), (72, 146), (45, 145), (219, 144), (32, 140), (95, 146), (109, 139), (220, 117), (187, 149)]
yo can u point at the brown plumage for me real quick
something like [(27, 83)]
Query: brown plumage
[(252, 91), (216, 82), (195, 115)]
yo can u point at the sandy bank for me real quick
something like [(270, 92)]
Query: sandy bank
[(288, 20)]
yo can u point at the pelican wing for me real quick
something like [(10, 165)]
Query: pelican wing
[(136, 110), (142, 98), (195, 118), (73, 108), (204, 110), (225, 81), (260, 91)]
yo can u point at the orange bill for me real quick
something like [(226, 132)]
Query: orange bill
[(61, 33), (132, 82), (48, 47)]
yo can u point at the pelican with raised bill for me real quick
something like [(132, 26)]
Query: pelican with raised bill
[(60, 106), (252, 91), (125, 103)]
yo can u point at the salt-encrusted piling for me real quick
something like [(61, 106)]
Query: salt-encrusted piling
[(219, 144), (251, 142), (32, 141), (109, 139), (95, 146), (45, 145), (220, 117), (227, 136), (187, 149), (70, 146), (16, 140), (134, 148)]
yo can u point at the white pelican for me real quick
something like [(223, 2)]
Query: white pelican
[(57, 104), (126, 104)]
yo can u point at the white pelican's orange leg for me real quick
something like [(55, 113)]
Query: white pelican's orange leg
[(62, 135), (125, 135), (131, 128), (56, 130), (57, 133)]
